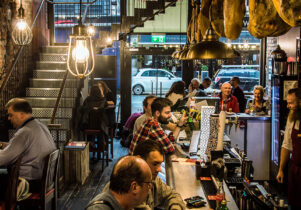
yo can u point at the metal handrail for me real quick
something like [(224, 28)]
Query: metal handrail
[(3, 85), (59, 97)]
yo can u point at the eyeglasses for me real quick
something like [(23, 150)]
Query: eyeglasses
[(149, 184)]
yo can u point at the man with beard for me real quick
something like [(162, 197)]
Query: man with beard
[(161, 195), (152, 130), (292, 144)]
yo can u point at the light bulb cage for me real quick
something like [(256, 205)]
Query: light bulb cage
[(21, 34), (80, 68)]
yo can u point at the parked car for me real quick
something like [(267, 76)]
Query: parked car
[(147, 80), (248, 75)]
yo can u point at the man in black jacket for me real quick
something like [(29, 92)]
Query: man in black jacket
[(238, 93)]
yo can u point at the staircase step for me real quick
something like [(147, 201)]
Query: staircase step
[(55, 49), (51, 74), (49, 65), (53, 57), (143, 12), (65, 123), (53, 83), (47, 112), (50, 92), (50, 102)]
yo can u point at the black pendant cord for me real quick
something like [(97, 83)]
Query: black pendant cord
[(80, 13)]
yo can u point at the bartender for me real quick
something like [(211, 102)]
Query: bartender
[(292, 144), (228, 102)]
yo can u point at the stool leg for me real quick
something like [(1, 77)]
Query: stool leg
[(112, 141)]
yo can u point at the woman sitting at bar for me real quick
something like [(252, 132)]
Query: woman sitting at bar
[(176, 92), (257, 105)]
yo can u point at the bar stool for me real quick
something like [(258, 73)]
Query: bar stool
[(95, 131)]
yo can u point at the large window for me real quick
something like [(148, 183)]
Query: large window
[(101, 14)]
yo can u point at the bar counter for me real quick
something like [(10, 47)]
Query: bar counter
[(181, 177)]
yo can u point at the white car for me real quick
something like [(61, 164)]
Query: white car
[(147, 80)]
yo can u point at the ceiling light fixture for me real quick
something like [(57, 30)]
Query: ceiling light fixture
[(80, 59), (21, 34), (210, 47)]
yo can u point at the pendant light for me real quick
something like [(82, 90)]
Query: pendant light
[(210, 47), (21, 34), (80, 59)]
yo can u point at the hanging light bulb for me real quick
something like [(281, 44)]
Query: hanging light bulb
[(91, 30), (80, 53), (79, 61), (246, 44), (229, 43), (21, 34)]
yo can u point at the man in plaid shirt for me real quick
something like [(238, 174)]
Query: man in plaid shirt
[(152, 130)]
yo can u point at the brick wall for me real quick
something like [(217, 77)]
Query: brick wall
[(9, 11)]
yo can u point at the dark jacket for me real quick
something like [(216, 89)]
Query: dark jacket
[(94, 107), (239, 94)]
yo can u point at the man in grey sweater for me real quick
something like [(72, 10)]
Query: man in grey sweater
[(32, 141), (131, 181)]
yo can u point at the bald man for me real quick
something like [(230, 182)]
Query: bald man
[(130, 183), (228, 102)]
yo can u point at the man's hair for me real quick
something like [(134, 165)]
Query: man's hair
[(125, 173), (196, 79), (145, 147), (19, 105), (295, 114), (296, 91), (146, 99), (207, 80), (236, 79), (159, 103)]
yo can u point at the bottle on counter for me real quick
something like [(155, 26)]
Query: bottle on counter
[(223, 205)]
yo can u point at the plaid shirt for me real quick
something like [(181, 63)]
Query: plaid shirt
[(151, 130)]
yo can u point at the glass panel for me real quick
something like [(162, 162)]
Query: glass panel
[(101, 14), (152, 74)]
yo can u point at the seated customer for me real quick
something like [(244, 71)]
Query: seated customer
[(193, 87), (238, 93), (130, 183), (176, 92), (95, 101), (32, 141), (203, 86), (152, 130), (228, 102), (147, 102), (161, 195), (258, 104)]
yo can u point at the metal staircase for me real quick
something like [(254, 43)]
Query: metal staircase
[(44, 88), (142, 11)]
